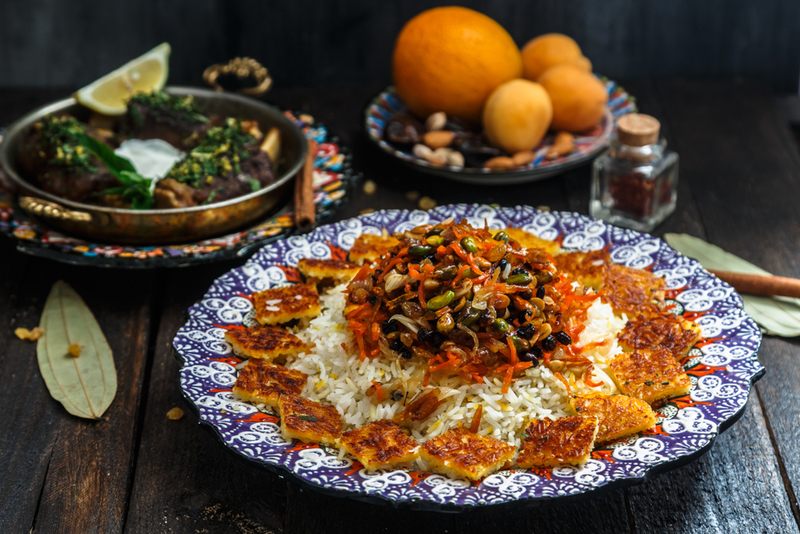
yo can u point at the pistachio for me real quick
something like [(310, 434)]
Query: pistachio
[(436, 121), (501, 325), (519, 279), (438, 139), (468, 244), (500, 163), (420, 250), (440, 301)]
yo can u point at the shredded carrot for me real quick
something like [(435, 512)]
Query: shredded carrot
[(512, 352), (397, 259), (414, 273), (421, 291), (476, 420), (376, 331), (378, 389), (352, 313), (442, 311), (460, 273), (587, 378), (507, 379), (426, 379)]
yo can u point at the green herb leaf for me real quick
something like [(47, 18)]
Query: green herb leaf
[(115, 164), (309, 418), (135, 187), (255, 185), (779, 316), (85, 384)]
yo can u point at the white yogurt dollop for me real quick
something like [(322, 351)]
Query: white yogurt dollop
[(152, 158)]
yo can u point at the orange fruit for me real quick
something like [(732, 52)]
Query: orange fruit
[(516, 115), (583, 63), (450, 59), (547, 50), (579, 98)]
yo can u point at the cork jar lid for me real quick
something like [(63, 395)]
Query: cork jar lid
[(636, 129)]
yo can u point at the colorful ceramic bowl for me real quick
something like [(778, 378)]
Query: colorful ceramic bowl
[(722, 367), (384, 106)]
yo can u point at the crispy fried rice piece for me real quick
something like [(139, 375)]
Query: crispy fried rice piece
[(309, 421), (380, 445), (265, 383), (553, 443), (626, 289), (666, 330), (282, 304), (369, 247), (618, 415), (264, 342), (650, 375), (462, 454), (321, 271)]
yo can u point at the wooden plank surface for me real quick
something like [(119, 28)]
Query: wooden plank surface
[(186, 480), (58, 469), (141, 472)]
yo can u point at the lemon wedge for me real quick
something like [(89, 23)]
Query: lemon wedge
[(145, 74)]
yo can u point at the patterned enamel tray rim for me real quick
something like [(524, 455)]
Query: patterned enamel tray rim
[(588, 145), (723, 369), (334, 180)]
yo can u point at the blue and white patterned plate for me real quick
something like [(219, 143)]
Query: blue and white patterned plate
[(723, 368), (587, 145)]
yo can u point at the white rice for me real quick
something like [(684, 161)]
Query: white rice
[(342, 380)]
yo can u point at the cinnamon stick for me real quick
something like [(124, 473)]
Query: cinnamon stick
[(760, 284), (304, 209)]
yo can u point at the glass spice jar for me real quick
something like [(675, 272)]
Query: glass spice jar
[(634, 183)]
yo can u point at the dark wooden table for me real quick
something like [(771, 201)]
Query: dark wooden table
[(137, 471)]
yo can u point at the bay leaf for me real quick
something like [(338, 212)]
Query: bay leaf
[(86, 384), (779, 316)]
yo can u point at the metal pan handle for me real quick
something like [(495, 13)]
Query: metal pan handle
[(51, 210), (242, 67)]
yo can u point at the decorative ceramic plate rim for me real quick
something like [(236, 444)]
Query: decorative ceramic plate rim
[(723, 369), (333, 162), (385, 104)]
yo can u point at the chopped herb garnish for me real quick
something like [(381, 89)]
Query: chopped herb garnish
[(178, 107), (648, 383), (309, 418), (63, 134), (218, 154)]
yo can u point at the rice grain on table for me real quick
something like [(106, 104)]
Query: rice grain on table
[(340, 379)]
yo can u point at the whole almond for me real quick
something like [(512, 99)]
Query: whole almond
[(500, 163), (563, 144), (455, 159), (436, 121), (421, 151), (438, 139), (523, 158)]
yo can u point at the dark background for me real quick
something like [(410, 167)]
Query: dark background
[(308, 43)]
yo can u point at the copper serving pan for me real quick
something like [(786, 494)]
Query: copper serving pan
[(160, 226)]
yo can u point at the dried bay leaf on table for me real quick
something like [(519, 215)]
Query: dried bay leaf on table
[(779, 316), (86, 384)]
